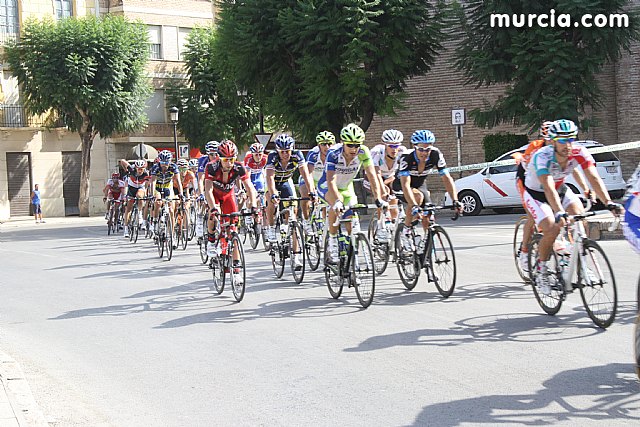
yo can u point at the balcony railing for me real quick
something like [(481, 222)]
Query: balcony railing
[(15, 116)]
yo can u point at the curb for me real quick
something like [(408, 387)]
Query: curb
[(14, 383)]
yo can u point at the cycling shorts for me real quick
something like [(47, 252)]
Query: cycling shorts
[(164, 192), (259, 182), (349, 197), (536, 204), (228, 205), (133, 191)]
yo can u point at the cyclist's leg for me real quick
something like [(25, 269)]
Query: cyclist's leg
[(545, 220), (330, 199), (349, 198), (304, 193), (228, 206)]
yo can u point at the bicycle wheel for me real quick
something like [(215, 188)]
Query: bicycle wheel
[(597, 285), (242, 228), (363, 274), (254, 232), (238, 270), (168, 241), (277, 255), (442, 261), (517, 247), (549, 303), (135, 229), (296, 240), (380, 249), (407, 262), (184, 234), (193, 217), (312, 246), (217, 265), (332, 273), (110, 222), (202, 243)]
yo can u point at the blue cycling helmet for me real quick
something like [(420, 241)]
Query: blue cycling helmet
[(164, 157), (423, 137), (564, 129), (284, 142)]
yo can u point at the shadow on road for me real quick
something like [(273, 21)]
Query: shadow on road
[(613, 389)]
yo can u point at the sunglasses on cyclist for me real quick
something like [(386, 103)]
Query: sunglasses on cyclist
[(227, 159), (564, 140), (325, 143), (393, 146), (183, 169), (352, 144), (423, 149), (284, 151)]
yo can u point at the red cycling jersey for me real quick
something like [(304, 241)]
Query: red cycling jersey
[(223, 188), (252, 165)]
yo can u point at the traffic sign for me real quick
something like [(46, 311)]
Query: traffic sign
[(263, 138)]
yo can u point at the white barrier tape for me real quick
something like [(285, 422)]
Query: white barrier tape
[(596, 150)]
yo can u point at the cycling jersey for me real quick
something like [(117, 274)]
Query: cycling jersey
[(135, 180), (544, 162), (223, 188), (283, 173), (164, 178), (189, 179), (116, 185), (344, 173), (202, 162), (631, 224), (315, 158), (256, 171), (409, 166), (379, 159)]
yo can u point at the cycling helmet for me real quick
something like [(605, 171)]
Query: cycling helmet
[(256, 147), (392, 136), (183, 163), (423, 137), (227, 149), (284, 142), (211, 147), (324, 137), (140, 163), (544, 129), (352, 134), (115, 175), (564, 129), (193, 163), (165, 157)]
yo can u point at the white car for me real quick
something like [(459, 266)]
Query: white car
[(495, 187)]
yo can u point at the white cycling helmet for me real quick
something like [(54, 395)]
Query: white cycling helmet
[(140, 163), (392, 136)]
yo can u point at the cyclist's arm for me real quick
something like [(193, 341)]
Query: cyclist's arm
[(124, 164), (179, 184), (271, 182), (208, 193), (251, 192), (373, 180), (308, 179), (450, 186), (596, 183), (332, 187), (550, 192), (580, 181), (405, 182)]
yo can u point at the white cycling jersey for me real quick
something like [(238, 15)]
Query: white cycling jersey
[(344, 173), (544, 162), (378, 157)]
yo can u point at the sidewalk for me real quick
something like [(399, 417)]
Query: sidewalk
[(17, 406)]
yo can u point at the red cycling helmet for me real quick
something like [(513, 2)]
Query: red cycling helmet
[(115, 175), (227, 149)]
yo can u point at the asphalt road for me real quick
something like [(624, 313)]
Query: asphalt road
[(108, 334)]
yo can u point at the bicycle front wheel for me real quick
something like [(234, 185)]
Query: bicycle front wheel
[(217, 266), (277, 255), (597, 285), (517, 246), (312, 245), (407, 262), (363, 269), (442, 262), (298, 253), (168, 241), (254, 234), (238, 272), (185, 230), (549, 303), (160, 236), (202, 243), (332, 273)]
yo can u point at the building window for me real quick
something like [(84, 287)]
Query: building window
[(63, 8), (9, 22), (155, 41), (183, 34), (156, 107)]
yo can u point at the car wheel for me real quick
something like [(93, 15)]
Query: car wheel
[(503, 210), (471, 203)]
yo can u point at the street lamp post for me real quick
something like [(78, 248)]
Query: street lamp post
[(173, 112)]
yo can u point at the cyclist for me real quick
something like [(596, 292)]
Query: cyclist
[(315, 164), (410, 182), (336, 183), (188, 178), (386, 157), (221, 176), (281, 164), (193, 167), (137, 180), (162, 175), (631, 224), (548, 199), (255, 161), (211, 150), (112, 191)]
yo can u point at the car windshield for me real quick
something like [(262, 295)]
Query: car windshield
[(605, 157)]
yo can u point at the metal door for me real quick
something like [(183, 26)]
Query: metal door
[(19, 180), (71, 167)]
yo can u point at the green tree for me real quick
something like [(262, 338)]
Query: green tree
[(550, 73), (87, 71), (318, 64), (212, 104)]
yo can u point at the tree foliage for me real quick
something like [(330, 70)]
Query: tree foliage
[(318, 64), (211, 106), (550, 72), (87, 71)]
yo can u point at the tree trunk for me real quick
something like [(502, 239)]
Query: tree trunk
[(87, 138), (367, 115)]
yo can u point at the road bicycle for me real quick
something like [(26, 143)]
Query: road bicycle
[(582, 265), (314, 236), (227, 243), (163, 233), (517, 246), (134, 225), (289, 241), (380, 232), (355, 266), (182, 225), (431, 251), (115, 216)]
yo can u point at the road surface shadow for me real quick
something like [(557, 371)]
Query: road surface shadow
[(612, 393), (495, 328)]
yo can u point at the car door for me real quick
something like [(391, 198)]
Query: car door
[(499, 184)]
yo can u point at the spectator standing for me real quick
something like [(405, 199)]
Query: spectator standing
[(36, 202)]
